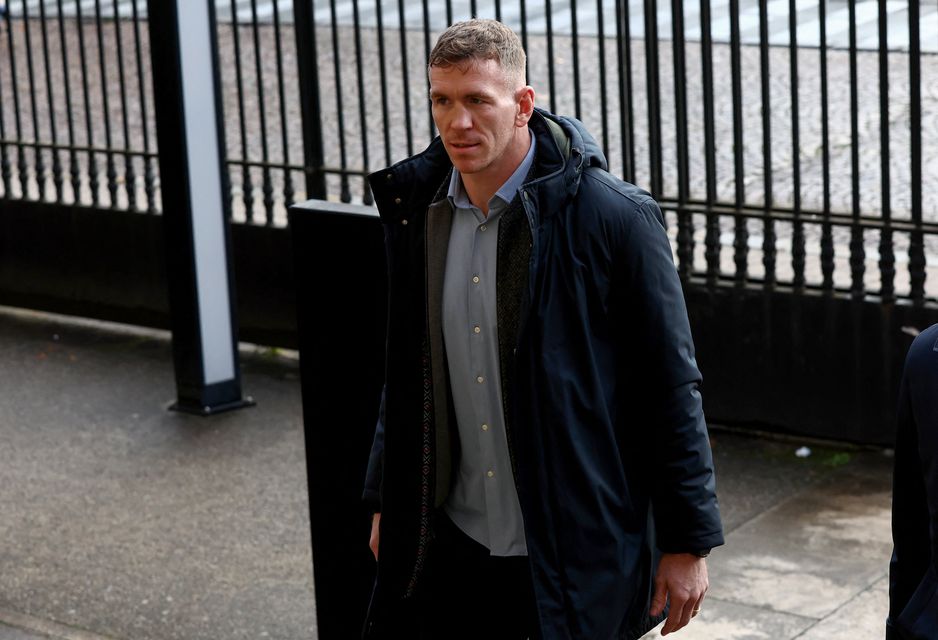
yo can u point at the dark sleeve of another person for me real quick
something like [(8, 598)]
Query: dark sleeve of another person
[(912, 575)]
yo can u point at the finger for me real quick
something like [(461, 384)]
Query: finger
[(375, 535), (686, 613), (672, 621), (679, 615), (674, 614), (698, 607), (659, 599)]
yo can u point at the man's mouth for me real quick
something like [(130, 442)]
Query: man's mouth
[(464, 145)]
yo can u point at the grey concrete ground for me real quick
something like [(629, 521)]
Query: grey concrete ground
[(129, 521), (812, 566), (123, 521)]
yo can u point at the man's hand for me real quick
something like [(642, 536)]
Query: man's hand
[(373, 542), (683, 577)]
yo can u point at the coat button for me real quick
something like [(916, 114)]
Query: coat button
[(404, 221), (397, 200)]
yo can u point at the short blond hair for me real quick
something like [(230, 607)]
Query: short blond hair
[(480, 39)]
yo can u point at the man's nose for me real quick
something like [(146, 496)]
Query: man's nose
[(462, 119)]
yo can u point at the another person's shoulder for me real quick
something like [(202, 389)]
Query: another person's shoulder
[(923, 354), (926, 341)]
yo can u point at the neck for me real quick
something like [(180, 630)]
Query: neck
[(480, 187)]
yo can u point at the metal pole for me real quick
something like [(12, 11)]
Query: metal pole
[(310, 108), (194, 189)]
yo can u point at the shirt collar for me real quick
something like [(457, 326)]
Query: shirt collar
[(506, 193)]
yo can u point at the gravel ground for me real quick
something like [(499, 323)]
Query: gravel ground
[(586, 84)]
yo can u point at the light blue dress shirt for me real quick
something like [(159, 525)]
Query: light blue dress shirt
[(484, 500)]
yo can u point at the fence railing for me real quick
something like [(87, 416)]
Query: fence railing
[(785, 140), (76, 122), (777, 164)]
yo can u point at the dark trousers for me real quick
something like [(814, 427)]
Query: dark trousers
[(468, 593)]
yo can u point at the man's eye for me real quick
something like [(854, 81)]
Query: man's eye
[(439, 101), (476, 100)]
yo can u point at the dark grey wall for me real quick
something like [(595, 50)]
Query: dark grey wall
[(110, 265), (811, 364)]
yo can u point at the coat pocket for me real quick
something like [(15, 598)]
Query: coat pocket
[(919, 618)]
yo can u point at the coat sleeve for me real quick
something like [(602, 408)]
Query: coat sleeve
[(372, 493), (915, 488), (680, 462)]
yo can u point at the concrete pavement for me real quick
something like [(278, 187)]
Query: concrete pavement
[(123, 521), (126, 520), (813, 566)]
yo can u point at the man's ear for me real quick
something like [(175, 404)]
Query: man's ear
[(524, 98)]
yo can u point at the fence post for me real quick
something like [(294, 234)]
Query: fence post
[(194, 188), (310, 109)]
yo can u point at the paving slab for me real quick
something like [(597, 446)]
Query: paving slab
[(18, 626), (140, 523), (721, 620), (743, 494), (815, 552), (12, 633), (859, 619)]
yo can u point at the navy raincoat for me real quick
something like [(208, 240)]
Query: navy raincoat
[(606, 430)]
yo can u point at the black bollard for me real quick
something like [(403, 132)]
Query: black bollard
[(341, 284)]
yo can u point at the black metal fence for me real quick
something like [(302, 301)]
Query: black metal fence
[(786, 147), (76, 121), (790, 143), (789, 148)]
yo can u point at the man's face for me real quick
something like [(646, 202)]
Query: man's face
[(479, 114)]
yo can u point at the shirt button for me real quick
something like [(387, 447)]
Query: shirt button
[(475, 279), (482, 227), (491, 474), (477, 329), (480, 379), (485, 427)]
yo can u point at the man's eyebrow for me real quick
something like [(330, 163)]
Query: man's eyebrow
[(474, 94)]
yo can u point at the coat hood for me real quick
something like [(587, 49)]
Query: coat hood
[(581, 146), (565, 151)]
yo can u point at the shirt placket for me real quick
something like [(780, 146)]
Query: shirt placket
[(481, 333)]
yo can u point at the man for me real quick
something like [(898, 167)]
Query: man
[(913, 572), (541, 390)]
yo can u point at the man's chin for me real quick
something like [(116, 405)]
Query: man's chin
[(464, 167)]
